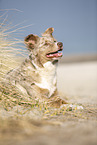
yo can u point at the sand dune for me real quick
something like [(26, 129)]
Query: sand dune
[(78, 81)]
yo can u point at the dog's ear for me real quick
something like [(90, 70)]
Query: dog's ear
[(49, 31), (31, 40)]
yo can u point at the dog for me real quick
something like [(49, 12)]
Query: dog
[(36, 77)]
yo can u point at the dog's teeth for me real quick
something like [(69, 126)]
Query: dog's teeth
[(54, 55), (49, 55)]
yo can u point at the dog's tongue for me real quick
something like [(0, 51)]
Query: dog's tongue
[(54, 55)]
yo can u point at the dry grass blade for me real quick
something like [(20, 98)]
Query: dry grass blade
[(12, 49)]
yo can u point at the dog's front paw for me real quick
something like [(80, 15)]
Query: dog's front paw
[(56, 101)]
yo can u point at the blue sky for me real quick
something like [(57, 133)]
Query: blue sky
[(74, 21)]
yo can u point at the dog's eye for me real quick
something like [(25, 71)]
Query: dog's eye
[(55, 41)]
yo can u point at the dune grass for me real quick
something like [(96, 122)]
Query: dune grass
[(12, 49), (12, 53)]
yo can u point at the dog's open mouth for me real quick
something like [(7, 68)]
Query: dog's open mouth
[(55, 54)]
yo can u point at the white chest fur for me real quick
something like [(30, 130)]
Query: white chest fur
[(48, 77)]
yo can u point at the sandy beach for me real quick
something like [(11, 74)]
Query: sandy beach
[(78, 81)]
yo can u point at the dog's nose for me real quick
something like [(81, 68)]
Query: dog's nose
[(60, 45)]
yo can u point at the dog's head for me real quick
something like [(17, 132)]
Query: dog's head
[(44, 48)]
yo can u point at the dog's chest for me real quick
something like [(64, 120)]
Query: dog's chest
[(48, 77)]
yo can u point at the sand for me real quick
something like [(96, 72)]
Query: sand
[(78, 81)]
